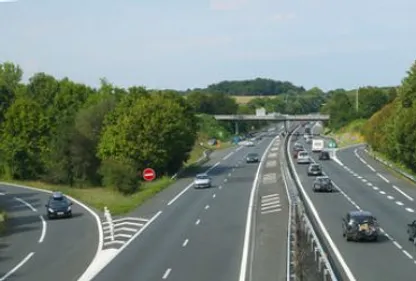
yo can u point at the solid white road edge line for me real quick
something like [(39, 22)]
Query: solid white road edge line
[(19, 265), (289, 228), (246, 245), (42, 236), (189, 186), (106, 256), (403, 193), (97, 218), (319, 221)]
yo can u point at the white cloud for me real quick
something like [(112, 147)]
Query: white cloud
[(227, 5)]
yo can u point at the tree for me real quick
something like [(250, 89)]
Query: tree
[(23, 139), (157, 130)]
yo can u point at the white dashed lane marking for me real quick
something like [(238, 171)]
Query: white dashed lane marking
[(185, 242), (382, 177), (167, 272)]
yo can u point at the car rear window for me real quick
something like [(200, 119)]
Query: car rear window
[(303, 154)]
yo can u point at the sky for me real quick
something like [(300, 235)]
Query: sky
[(184, 44)]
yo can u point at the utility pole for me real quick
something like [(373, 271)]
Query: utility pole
[(356, 98)]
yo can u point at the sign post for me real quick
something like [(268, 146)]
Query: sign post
[(332, 144), (149, 174)]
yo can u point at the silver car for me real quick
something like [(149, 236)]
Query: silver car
[(303, 157), (202, 181)]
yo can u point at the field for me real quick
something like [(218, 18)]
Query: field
[(246, 99)]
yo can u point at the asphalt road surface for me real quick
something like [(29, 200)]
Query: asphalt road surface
[(359, 187), (268, 257), (35, 248), (199, 234)]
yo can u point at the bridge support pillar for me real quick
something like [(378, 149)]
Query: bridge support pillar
[(285, 122), (237, 132)]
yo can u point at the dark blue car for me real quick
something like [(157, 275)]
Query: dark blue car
[(58, 206)]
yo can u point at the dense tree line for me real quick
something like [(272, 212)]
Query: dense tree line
[(341, 104), (68, 133), (254, 87), (65, 132), (392, 130)]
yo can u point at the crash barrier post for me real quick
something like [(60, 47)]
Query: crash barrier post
[(304, 222), (110, 223)]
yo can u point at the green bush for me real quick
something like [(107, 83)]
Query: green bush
[(120, 175)]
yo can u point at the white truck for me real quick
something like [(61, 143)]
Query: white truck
[(317, 145)]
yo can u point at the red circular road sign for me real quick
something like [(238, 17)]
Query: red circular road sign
[(149, 174)]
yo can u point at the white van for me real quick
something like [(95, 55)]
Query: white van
[(317, 145)]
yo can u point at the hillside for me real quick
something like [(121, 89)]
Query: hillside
[(253, 87)]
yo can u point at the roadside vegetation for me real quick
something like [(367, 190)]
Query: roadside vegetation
[(386, 120), (93, 143)]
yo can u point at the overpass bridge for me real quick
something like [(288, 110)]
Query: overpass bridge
[(271, 117)]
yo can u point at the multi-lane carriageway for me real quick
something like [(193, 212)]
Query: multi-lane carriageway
[(364, 184), (235, 230)]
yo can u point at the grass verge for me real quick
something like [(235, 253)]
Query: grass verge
[(3, 219), (349, 134), (99, 197), (397, 165)]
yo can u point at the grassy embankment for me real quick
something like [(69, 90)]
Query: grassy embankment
[(99, 197), (348, 135)]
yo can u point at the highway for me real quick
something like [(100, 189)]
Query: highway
[(359, 187), (35, 248), (199, 234)]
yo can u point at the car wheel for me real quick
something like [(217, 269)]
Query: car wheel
[(375, 239), (348, 238)]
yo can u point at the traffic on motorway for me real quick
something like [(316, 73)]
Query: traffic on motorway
[(352, 212)]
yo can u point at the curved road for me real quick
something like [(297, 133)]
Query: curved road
[(367, 186), (199, 234), (35, 248)]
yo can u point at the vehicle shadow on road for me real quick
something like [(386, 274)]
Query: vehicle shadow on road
[(75, 215), (18, 224)]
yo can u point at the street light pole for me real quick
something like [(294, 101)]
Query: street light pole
[(356, 98)]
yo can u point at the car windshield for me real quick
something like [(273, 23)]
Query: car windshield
[(58, 202), (201, 177), (252, 155), (363, 219), (325, 180), (315, 167)]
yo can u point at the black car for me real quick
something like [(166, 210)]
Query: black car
[(58, 206), (411, 231), (323, 183), (360, 225), (252, 158), (314, 170), (324, 155)]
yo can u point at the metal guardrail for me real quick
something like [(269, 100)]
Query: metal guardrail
[(323, 258), (391, 166)]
